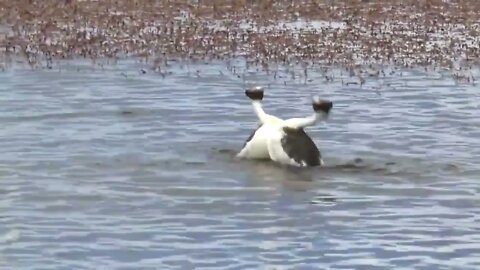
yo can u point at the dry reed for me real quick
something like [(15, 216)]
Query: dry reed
[(355, 32)]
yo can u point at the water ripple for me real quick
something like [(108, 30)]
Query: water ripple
[(112, 168)]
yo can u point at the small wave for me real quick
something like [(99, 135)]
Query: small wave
[(394, 165), (10, 236), (129, 112), (375, 164)]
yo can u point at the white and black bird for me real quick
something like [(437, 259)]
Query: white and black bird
[(284, 141)]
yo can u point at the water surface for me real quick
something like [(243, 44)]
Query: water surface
[(115, 168)]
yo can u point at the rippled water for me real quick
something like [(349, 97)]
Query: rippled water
[(104, 168)]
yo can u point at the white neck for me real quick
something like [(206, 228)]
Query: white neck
[(257, 107), (306, 121)]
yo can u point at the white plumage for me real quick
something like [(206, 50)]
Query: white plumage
[(284, 141)]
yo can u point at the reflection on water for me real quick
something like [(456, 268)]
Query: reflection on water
[(111, 167)]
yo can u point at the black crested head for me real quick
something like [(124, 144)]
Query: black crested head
[(255, 93), (321, 105)]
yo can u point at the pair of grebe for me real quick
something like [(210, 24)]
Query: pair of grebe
[(284, 141)]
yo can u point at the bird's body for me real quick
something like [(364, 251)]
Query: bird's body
[(283, 141), (256, 146)]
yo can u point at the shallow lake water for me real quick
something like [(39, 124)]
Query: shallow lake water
[(115, 168)]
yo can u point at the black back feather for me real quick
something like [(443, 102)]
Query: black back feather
[(300, 147)]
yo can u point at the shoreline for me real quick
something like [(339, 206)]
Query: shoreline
[(431, 33)]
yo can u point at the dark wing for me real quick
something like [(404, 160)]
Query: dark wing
[(300, 147), (251, 136)]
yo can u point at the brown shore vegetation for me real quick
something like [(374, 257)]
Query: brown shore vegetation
[(348, 32)]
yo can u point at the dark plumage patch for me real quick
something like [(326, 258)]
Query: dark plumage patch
[(254, 94), (300, 147), (324, 106)]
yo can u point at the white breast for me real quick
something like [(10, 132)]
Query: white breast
[(257, 146)]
